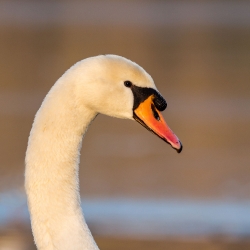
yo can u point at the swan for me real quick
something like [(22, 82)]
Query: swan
[(107, 84)]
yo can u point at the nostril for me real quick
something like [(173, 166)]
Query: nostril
[(155, 113)]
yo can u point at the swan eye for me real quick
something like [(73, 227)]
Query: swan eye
[(128, 84)]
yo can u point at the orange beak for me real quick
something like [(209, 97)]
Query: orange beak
[(149, 117)]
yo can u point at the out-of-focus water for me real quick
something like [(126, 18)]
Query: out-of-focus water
[(198, 55), (151, 14), (147, 218)]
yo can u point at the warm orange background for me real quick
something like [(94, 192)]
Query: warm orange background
[(202, 69)]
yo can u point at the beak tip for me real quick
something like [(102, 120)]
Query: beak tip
[(179, 149)]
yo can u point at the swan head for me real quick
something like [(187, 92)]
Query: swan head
[(118, 87)]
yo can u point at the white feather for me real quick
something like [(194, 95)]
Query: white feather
[(94, 85)]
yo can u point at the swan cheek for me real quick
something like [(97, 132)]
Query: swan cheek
[(149, 117)]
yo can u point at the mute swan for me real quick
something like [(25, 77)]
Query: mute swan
[(111, 85)]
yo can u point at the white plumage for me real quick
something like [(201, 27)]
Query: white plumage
[(94, 85)]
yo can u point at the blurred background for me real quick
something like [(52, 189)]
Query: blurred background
[(137, 192)]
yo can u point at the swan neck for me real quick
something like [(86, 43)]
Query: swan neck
[(51, 175)]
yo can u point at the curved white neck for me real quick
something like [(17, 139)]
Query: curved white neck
[(51, 175)]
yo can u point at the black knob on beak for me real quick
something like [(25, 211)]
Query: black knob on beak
[(159, 102)]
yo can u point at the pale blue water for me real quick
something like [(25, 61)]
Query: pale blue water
[(113, 13), (148, 218)]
